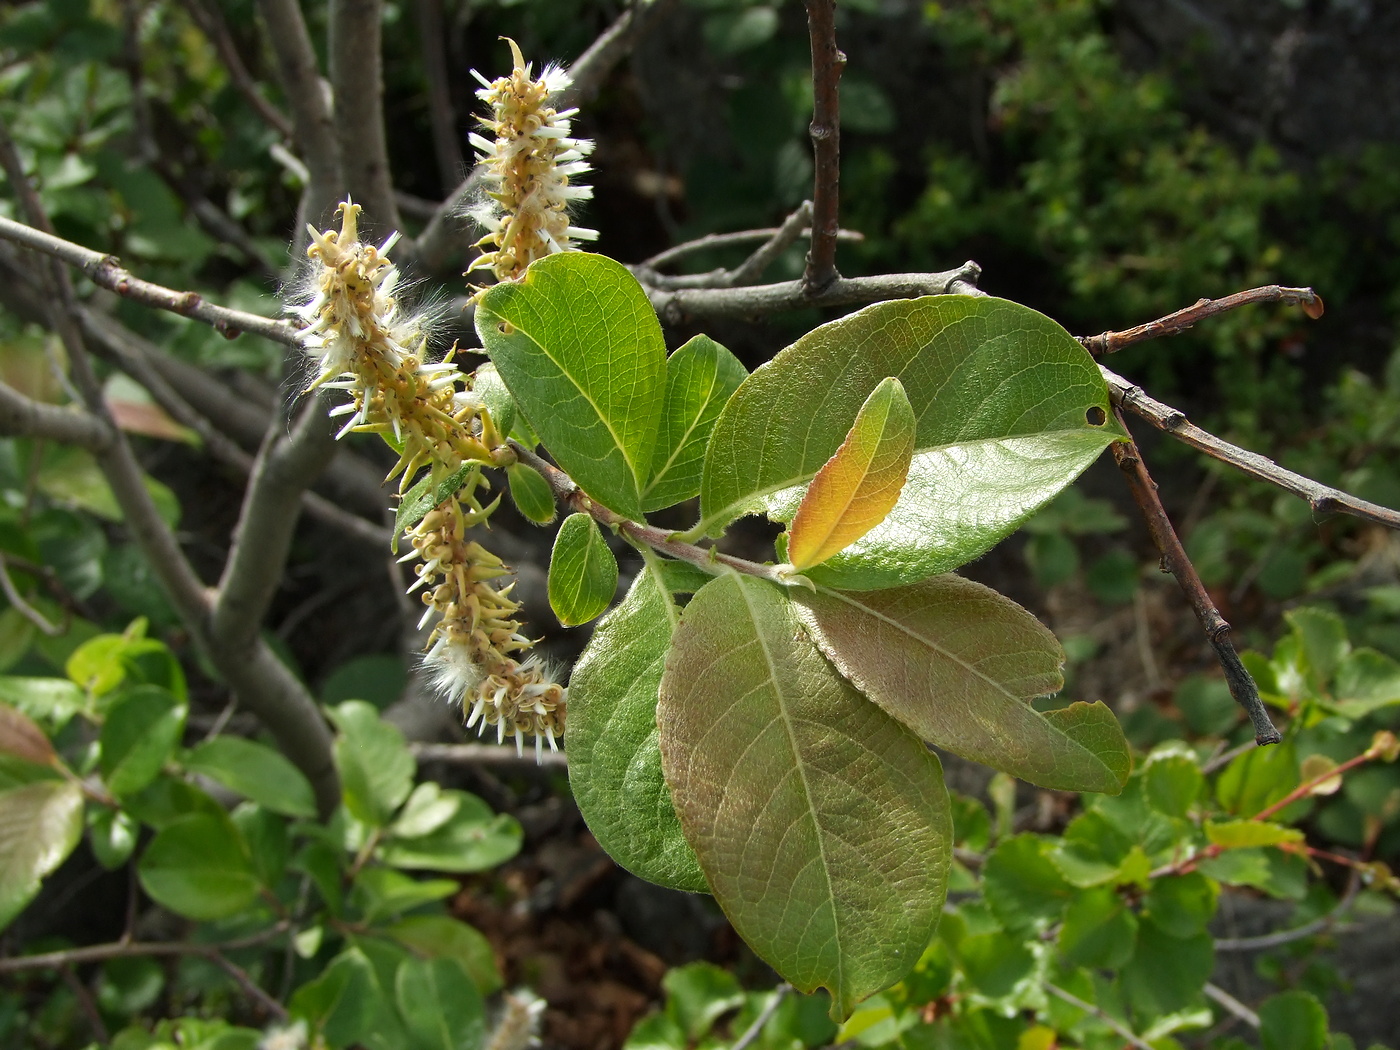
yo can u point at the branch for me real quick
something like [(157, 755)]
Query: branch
[(1122, 1030), (106, 271), (211, 23), (484, 755), (125, 949), (825, 129), (21, 606), (1233, 1005), (726, 240), (1322, 498), (356, 64), (306, 93), (674, 307), (21, 416), (441, 118), (1174, 559), (765, 1015), (1173, 323)]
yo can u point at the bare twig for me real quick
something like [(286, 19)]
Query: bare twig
[(1233, 1005), (825, 130), (127, 949), (1112, 342), (765, 1015), (17, 601), (356, 63), (244, 981), (712, 241), (107, 272), (211, 23), (1175, 561), (21, 416), (1322, 498), (1119, 1028), (747, 272), (691, 303), (86, 1003), (484, 755)]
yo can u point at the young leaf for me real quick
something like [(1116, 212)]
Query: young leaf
[(581, 350), (614, 758), (531, 493), (1009, 409), (198, 867), (957, 662), (860, 483), (700, 378), (821, 824), (582, 572), (488, 385), (255, 771), (40, 823)]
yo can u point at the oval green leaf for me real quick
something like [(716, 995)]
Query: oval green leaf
[(197, 867), (582, 572), (531, 493), (614, 757), (376, 769), (40, 823), (957, 663), (255, 771), (581, 350), (473, 840), (822, 825), (859, 485), (440, 1006), (700, 378), (142, 728), (1003, 398), (442, 937)]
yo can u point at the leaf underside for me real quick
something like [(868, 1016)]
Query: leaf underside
[(1004, 401), (822, 825)]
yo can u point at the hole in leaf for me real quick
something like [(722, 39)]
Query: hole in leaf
[(1096, 416), (505, 328)]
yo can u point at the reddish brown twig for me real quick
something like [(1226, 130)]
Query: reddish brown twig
[(827, 63), (1175, 561), (1111, 342)]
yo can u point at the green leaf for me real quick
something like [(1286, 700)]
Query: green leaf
[(698, 994), (255, 771), (858, 486), (427, 809), (198, 867), (821, 824), (473, 840), (580, 348), (442, 937), (142, 728), (1257, 779), (614, 757), (1023, 887), (994, 963), (491, 388), (1243, 834), (700, 378), (1322, 638), (957, 663), (1293, 1021), (1182, 905), (112, 834), (582, 572), (425, 495), (265, 834), (440, 1006), (348, 1005), (52, 701), (1099, 929), (385, 893), (1366, 682), (376, 769), (531, 493), (40, 823), (1167, 973), (1172, 781), (1002, 397)]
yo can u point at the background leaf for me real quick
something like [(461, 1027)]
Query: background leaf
[(860, 483), (40, 823), (531, 493), (376, 769), (197, 866), (1001, 394), (440, 1006), (957, 662), (822, 825), (700, 378), (581, 350), (142, 728), (582, 572), (473, 840), (614, 757), (255, 771)]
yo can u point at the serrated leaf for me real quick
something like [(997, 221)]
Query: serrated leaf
[(1172, 781), (580, 348), (700, 378), (1003, 399), (1166, 973), (614, 757), (582, 572), (531, 493), (957, 663), (255, 771), (1023, 888), (40, 823), (858, 486), (821, 824), (22, 739), (142, 728), (1099, 929), (197, 867), (1293, 1020), (1366, 681), (1181, 905)]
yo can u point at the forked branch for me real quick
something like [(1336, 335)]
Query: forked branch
[(1174, 323)]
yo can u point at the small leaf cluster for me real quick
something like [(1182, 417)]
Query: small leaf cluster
[(224, 832), (759, 731)]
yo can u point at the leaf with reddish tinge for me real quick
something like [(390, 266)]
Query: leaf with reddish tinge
[(20, 737), (956, 662), (860, 484), (821, 824)]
